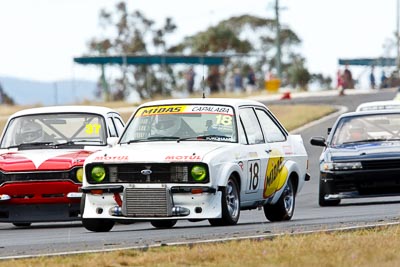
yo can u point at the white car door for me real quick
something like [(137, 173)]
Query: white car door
[(254, 156), (276, 137)]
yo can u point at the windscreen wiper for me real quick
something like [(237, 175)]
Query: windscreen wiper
[(77, 143), (151, 138), (31, 144), (156, 138)]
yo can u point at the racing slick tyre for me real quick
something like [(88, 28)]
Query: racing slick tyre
[(283, 209), (321, 197), (22, 224), (98, 225), (230, 203), (163, 223)]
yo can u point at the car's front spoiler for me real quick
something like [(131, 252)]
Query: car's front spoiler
[(354, 194), (104, 189)]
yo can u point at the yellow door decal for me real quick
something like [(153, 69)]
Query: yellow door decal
[(275, 175)]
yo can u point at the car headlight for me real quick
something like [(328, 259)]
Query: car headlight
[(79, 175), (341, 166), (198, 173), (98, 173)]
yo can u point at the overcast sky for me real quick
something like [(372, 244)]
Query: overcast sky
[(38, 39)]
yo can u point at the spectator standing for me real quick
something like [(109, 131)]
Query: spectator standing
[(340, 82), (372, 78), (189, 76), (213, 79), (347, 80), (383, 79), (238, 81), (251, 81), (229, 81)]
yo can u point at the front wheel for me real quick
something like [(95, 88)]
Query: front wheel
[(98, 225), (230, 203), (164, 224), (283, 209)]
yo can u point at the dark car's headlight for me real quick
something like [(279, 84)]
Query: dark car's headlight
[(341, 166)]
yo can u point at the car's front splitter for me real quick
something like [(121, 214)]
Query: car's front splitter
[(39, 212)]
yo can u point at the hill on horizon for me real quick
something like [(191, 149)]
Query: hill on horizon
[(31, 92)]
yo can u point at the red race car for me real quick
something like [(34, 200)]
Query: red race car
[(42, 152)]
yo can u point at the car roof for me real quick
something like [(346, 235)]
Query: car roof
[(388, 104), (369, 112), (235, 102), (65, 109)]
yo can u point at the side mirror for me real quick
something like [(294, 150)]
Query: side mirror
[(318, 141), (112, 141)]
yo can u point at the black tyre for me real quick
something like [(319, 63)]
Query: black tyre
[(98, 225), (22, 224), (283, 209), (321, 197), (164, 223), (230, 203)]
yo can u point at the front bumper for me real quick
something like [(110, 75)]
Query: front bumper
[(152, 202), (360, 183), (39, 201)]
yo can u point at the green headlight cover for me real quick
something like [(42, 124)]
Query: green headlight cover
[(98, 173), (79, 174), (198, 173)]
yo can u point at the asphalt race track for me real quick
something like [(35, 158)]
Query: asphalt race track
[(55, 238)]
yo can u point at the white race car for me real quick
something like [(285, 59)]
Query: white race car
[(195, 159), (42, 152)]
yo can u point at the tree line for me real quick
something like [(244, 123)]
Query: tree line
[(249, 41)]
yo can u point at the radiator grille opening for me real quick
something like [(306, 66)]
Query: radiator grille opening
[(147, 202)]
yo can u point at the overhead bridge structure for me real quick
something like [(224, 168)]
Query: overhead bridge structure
[(379, 62)]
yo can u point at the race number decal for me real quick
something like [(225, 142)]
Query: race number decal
[(225, 120), (253, 174), (92, 128)]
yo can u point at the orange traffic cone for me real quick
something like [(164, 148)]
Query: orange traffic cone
[(286, 95)]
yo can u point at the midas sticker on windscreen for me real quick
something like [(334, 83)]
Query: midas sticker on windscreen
[(92, 128), (149, 111)]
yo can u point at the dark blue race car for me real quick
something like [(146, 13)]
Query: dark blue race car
[(361, 157)]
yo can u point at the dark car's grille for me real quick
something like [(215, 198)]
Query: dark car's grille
[(38, 176), (150, 173), (381, 164)]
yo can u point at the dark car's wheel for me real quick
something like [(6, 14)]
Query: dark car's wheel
[(22, 224), (321, 197), (283, 209), (230, 203), (98, 225), (163, 223)]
